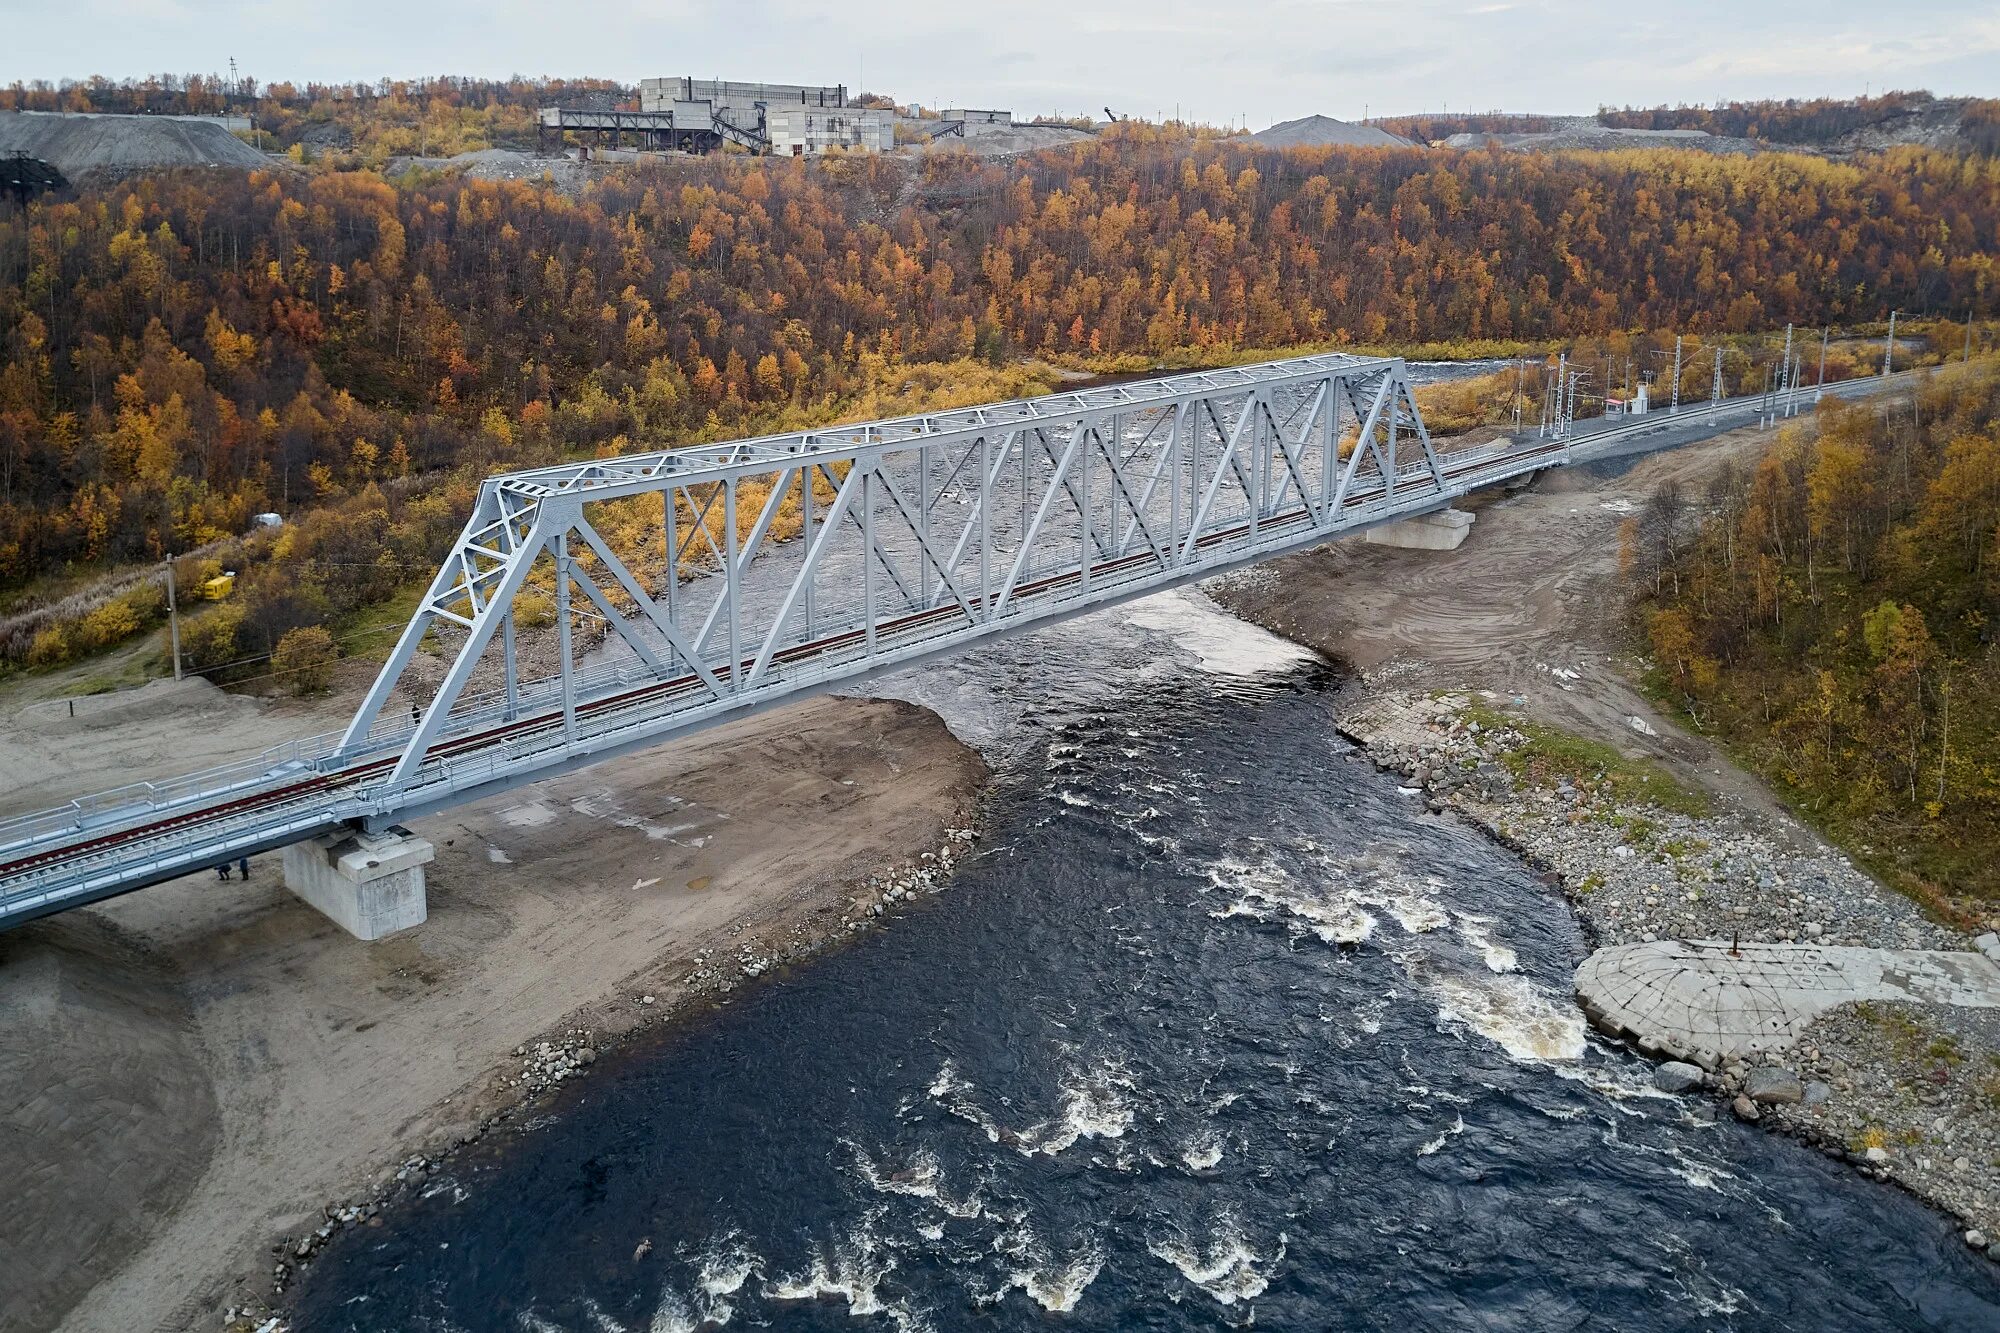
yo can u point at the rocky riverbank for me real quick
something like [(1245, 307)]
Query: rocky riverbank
[(1906, 1092), (1496, 678)]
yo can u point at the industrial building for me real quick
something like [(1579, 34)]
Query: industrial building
[(970, 117), (738, 100), (700, 115), (805, 131)]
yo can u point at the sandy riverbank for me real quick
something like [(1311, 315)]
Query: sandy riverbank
[(1525, 621), (198, 1070)]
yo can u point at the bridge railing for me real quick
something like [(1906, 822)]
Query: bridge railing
[(911, 538)]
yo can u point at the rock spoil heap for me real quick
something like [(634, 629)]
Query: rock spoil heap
[(87, 145)]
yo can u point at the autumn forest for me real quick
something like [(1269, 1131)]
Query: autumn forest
[(182, 351)]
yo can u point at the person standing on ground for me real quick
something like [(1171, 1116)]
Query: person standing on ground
[(243, 865)]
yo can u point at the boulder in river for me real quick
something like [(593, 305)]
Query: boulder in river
[(1677, 1076)]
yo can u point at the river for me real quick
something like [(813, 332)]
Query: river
[(1218, 1028)]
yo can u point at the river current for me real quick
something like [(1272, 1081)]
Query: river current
[(1219, 1028)]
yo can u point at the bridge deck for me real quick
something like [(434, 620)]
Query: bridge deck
[(904, 540)]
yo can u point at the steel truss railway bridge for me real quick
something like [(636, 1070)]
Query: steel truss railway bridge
[(786, 566)]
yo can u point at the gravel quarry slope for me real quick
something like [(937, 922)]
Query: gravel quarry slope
[(82, 145), (1586, 134), (1318, 131)]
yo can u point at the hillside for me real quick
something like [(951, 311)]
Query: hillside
[(1581, 132), (353, 353), (1838, 127), (1831, 614)]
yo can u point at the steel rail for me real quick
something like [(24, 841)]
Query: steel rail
[(1194, 475)]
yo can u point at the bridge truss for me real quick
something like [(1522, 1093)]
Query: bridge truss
[(767, 569)]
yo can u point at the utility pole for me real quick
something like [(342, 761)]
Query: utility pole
[(1676, 408), (1819, 385), (1788, 366), (1563, 377), (173, 618), (1889, 351), (1715, 386)]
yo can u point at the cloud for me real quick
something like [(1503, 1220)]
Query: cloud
[(1265, 59)]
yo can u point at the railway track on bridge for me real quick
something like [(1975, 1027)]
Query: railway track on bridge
[(1195, 474)]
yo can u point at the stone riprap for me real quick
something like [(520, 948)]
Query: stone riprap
[(1904, 1089), (1712, 1001)]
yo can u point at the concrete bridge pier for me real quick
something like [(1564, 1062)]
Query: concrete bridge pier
[(1440, 530), (370, 884)]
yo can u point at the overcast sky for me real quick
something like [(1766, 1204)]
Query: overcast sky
[(1217, 60)]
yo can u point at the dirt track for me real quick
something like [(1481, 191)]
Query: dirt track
[(196, 1070)]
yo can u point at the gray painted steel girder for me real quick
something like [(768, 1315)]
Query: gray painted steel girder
[(785, 566)]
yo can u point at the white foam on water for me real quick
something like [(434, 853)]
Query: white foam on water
[(1203, 1152), (1415, 911), (726, 1264), (673, 1315), (1437, 1144), (1477, 932), (531, 1322), (601, 1321), (1265, 892), (920, 1179), (1511, 1012), (1620, 1082), (1095, 1105), (1709, 1295), (1224, 1266), (1057, 1287), (851, 1274), (1221, 643)]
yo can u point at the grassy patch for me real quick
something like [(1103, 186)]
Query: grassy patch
[(1549, 755), (369, 632)]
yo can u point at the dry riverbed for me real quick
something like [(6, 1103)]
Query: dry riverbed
[(204, 1081), (1495, 680)]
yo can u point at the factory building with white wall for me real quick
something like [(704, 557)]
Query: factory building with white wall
[(807, 131)]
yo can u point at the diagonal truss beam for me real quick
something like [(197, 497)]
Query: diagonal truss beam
[(981, 520)]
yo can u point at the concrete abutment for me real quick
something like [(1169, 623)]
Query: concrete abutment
[(1442, 530), (370, 884)]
